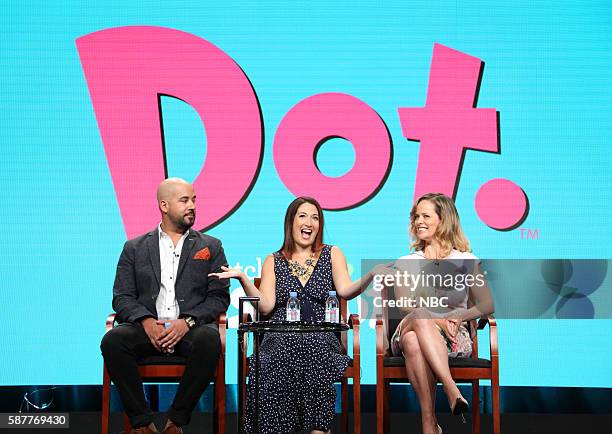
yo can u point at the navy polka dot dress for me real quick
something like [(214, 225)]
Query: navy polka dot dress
[(297, 370)]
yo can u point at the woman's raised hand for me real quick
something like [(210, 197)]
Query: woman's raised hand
[(228, 273), (383, 270)]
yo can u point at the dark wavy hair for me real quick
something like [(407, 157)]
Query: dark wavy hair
[(288, 246)]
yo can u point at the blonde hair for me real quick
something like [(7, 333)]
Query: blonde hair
[(448, 233)]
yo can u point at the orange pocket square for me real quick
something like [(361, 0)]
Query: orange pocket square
[(203, 254)]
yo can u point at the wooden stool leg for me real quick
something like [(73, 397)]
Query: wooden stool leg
[(380, 410), (387, 420), (475, 407), (345, 405), (105, 400), (496, 405), (126, 424), (357, 403), (219, 402)]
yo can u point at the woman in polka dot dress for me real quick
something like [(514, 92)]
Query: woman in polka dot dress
[(298, 370)]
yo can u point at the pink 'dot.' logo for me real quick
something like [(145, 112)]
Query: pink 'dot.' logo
[(313, 121), (128, 68), (447, 126)]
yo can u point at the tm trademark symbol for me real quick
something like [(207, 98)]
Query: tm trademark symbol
[(529, 234)]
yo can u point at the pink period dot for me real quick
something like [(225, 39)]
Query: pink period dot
[(501, 204)]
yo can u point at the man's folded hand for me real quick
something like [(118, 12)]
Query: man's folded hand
[(153, 330)]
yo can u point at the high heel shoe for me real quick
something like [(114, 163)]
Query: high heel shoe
[(461, 406)]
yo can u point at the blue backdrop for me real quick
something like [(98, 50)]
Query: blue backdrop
[(547, 72)]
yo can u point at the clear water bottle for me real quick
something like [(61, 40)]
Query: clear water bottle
[(293, 307), (332, 308)]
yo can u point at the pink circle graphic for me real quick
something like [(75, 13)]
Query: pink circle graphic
[(501, 204)]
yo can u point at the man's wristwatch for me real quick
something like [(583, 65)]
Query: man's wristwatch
[(191, 322)]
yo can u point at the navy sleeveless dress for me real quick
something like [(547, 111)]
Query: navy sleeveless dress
[(297, 370)]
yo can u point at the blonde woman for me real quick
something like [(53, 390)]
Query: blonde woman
[(428, 338)]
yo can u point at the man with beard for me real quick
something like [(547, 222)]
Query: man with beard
[(164, 275)]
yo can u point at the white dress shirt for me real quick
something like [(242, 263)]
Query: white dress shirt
[(169, 257)]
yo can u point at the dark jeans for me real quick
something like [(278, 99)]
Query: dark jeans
[(125, 344)]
